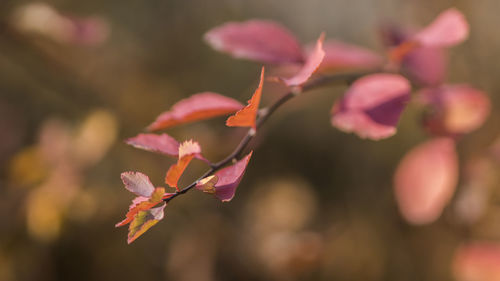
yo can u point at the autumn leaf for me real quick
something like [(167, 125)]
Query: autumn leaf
[(312, 63), (197, 107), (163, 143), (448, 29), (259, 40), (143, 221), (187, 151), (226, 180), (425, 180), (147, 195), (454, 109), (247, 116), (344, 56), (371, 107)]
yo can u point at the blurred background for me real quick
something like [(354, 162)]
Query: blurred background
[(78, 77)]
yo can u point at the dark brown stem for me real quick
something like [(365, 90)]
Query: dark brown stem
[(265, 113)]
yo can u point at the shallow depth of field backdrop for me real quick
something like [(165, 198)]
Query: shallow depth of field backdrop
[(315, 203)]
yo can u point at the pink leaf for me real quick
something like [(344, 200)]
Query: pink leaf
[(163, 143), (448, 29), (455, 109), (137, 183), (311, 65), (477, 261), (426, 66), (425, 180), (259, 40), (197, 107), (340, 55), (372, 106), (229, 179)]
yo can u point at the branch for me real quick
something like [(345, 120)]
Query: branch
[(265, 113)]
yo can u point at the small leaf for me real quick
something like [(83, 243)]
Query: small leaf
[(455, 109), (372, 106), (259, 40), (207, 184), (137, 183), (342, 56), (143, 221), (477, 261), (310, 66), (163, 143), (142, 204), (247, 116), (197, 107), (425, 180), (229, 179), (187, 150), (448, 29)]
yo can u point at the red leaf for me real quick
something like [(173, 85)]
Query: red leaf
[(187, 150), (372, 106), (425, 180), (197, 107), (143, 221), (143, 204), (426, 66), (310, 66), (477, 261), (455, 109), (340, 56), (138, 183), (448, 29), (163, 143), (228, 180), (247, 116), (259, 40)]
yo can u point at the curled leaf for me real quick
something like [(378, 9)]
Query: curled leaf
[(340, 56), (197, 107), (448, 29), (143, 221), (454, 109), (372, 106), (247, 116), (477, 261), (207, 184), (143, 204), (425, 180), (187, 151), (312, 63), (259, 40), (229, 179), (163, 143)]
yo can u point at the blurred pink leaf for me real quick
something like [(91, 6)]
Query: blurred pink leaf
[(260, 40), (425, 180), (228, 179), (426, 66), (455, 109), (312, 63), (372, 106), (448, 29), (197, 107), (340, 55), (479, 261), (143, 221), (163, 143)]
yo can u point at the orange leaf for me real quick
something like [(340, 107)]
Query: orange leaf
[(142, 203), (187, 150), (143, 221), (197, 107), (247, 116)]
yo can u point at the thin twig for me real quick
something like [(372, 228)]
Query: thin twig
[(265, 114)]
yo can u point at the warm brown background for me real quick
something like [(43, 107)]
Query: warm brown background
[(315, 204)]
